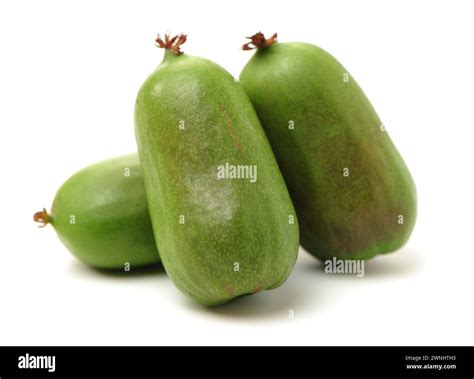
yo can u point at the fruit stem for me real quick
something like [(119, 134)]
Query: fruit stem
[(258, 41), (172, 44), (42, 217)]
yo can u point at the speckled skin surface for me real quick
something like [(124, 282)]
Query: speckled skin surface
[(218, 238), (111, 224), (335, 128)]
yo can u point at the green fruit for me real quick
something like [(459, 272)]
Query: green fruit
[(101, 215), (219, 238), (353, 194)]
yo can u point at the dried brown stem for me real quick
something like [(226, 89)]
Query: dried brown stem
[(258, 41), (171, 43), (41, 217)]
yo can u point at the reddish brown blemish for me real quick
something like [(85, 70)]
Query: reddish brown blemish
[(233, 134), (229, 289), (258, 41), (257, 288), (171, 43), (41, 217)]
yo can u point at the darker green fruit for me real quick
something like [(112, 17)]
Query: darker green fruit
[(219, 237), (101, 215), (353, 194)]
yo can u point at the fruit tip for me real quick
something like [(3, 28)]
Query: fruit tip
[(171, 43), (258, 41), (41, 217)]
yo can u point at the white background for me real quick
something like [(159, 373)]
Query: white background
[(69, 74)]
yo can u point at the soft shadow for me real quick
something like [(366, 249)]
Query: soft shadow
[(151, 270), (400, 263), (299, 294)]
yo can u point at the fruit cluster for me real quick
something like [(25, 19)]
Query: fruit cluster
[(231, 176)]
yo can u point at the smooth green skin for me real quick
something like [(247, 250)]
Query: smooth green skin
[(228, 224), (112, 224), (335, 127)]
